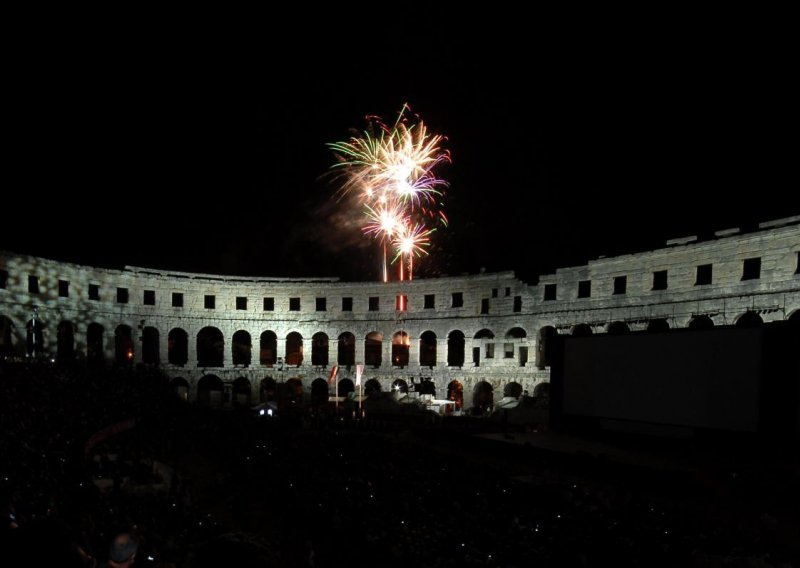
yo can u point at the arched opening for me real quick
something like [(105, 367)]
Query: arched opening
[(618, 328), (65, 348), (347, 349), (269, 348), (123, 345), (372, 387), (241, 348), (319, 349), (345, 387), (180, 387), (268, 389), (94, 343), (400, 345), (210, 348), (242, 391), (150, 347), (512, 389), (582, 330), (427, 386), (546, 347), (7, 333), (35, 337), (483, 337), (294, 349), (749, 319), (542, 390), (373, 346), (659, 325), (516, 333), (427, 349), (483, 398), (455, 392), (701, 322), (319, 392), (455, 348), (399, 385), (294, 391), (794, 317), (177, 346), (209, 391)]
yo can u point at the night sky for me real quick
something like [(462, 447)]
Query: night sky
[(215, 160)]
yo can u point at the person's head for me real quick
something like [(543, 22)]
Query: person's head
[(123, 550)]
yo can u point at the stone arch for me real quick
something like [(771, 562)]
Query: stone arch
[(94, 342), (427, 386), (9, 346), (65, 341), (658, 325), (455, 348), (319, 349), (35, 337), (513, 389), (400, 345), (516, 333), (123, 345), (618, 328), (177, 346), (294, 349), (180, 387), (483, 398), (242, 391), (400, 385), (701, 322), (582, 330), (427, 349), (483, 339), (294, 390), (347, 349), (319, 392), (373, 348), (455, 392), (542, 390), (372, 387), (7, 336), (345, 387), (546, 349), (749, 319), (241, 348), (209, 391), (268, 348), (268, 389), (210, 348), (150, 346)]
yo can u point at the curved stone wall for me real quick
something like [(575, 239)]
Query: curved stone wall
[(504, 321)]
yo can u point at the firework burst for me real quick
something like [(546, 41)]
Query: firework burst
[(391, 169)]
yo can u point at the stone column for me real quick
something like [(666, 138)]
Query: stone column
[(359, 350)]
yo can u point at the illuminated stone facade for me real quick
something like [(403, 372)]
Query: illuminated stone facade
[(162, 318)]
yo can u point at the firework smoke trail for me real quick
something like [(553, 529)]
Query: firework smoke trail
[(391, 169)]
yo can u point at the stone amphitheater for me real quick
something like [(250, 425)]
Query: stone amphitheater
[(475, 339)]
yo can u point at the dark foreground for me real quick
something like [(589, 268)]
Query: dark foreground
[(214, 488)]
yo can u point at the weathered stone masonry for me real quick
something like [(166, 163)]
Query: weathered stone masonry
[(736, 277)]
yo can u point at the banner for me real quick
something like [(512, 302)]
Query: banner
[(332, 377), (359, 371)]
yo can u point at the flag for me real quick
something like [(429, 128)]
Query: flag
[(332, 377), (359, 371)]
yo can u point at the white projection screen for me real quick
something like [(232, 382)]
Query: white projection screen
[(701, 379)]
